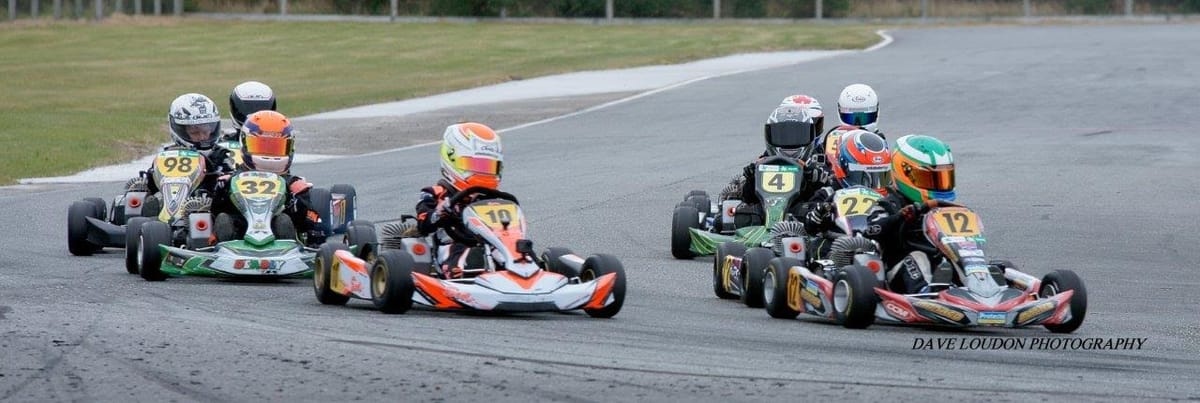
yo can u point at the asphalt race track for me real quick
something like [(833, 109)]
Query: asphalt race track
[(1077, 146)]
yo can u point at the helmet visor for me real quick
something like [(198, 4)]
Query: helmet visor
[(940, 177), (872, 176), (790, 134), (477, 165), (268, 146), (859, 118), (199, 133)]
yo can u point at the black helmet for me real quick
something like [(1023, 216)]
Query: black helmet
[(789, 130), (247, 98)]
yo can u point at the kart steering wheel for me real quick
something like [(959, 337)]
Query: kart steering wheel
[(466, 196), (922, 244)]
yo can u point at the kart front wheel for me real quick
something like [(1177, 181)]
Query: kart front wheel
[(323, 275), (754, 263), (720, 275), (854, 297), (133, 237), (554, 264), (1057, 282), (685, 218), (392, 282), (283, 228), (225, 228), (153, 234), (775, 287), (598, 266), (77, 228)]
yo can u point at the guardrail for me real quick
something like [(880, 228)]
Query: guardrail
[(104, 8)]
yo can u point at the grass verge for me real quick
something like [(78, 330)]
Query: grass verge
[(79, 95)]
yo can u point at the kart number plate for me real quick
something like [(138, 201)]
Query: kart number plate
[(177, 164), (957, 221), (253, 187), (496, 214), (854, 204), (777, 182)]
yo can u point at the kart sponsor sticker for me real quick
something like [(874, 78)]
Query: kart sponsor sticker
[(970, 252), (939, 310), (811, 298), (1034, 311), (991, 318), (896, 310), (975, 269)]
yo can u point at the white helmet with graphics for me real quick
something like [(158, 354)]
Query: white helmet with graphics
[(195, 121), (813, 108), (859, 106), (471, 156)]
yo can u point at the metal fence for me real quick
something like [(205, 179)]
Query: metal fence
[(613, 9)]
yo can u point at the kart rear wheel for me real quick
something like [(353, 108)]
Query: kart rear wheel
[(555, 265), (700, 199), (775, 286), (854, 297), (283, 228), (598, 266), (101, 207), (754, 263), (684, 219), (77, 228), (225, 228), (1059, 281), (719, 276), (321, 200), (118, 213), (391, 282), (153, 234), (359, 234), (351, 205), (323, 275), (133, 236)]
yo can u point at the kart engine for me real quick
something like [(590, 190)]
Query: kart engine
[(197, 204)]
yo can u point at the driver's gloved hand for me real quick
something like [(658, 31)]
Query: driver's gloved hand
[(914, 211), (819, 214)]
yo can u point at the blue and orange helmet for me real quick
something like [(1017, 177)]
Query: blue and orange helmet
[(863, 159)]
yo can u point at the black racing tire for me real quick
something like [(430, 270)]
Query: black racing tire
[(118, 214), (597, 266), (133, 235), (702, 202), (322, 275), (392, 282), (718, 278), (351, 205), (1061, 280), (754, 263), (775, 286), (77, 228), (153, 234), (225, 228), (555, 265), (854, 298), (101, 207), (695, 193), (321, 199), (360, 233), (283, 228), (684, 219), (151, 206)]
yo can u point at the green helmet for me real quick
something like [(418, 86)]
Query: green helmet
[(923, 168)]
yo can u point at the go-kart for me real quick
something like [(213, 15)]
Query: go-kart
[(741, 258), (981, 292), (181, 245), (505, 277), (92, 225)]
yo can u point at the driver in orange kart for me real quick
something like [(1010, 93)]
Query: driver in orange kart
[(471, 156)]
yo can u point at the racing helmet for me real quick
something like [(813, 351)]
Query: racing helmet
[(924, 168), (858, 105), (195, 121), (813, 108), (267, 142), (247, 98), (788, 131), (863, 159), (471, 156)]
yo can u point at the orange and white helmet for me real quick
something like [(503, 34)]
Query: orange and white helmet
[(267, 142), (471, 156)]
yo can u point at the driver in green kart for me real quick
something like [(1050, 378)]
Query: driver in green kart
[(788, 130), (471, 156), (269, 146)]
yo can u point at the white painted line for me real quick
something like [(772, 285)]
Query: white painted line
[(887, 40)]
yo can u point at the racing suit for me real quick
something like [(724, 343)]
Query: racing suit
[(297, 206), (433, 214)]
